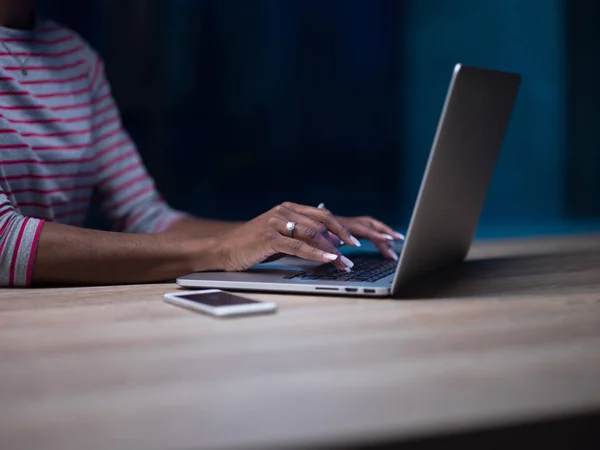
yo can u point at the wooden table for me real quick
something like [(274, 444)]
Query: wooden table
[(511, 336)]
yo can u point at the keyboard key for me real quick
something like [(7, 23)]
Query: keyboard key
[(369, 268)]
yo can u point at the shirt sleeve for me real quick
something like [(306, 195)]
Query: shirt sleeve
[(125, 191), (18, 242)]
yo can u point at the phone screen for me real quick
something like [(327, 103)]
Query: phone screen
[(218, 299)]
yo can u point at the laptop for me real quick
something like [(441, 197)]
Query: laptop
[(461, 163)]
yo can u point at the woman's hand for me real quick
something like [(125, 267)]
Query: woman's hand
[(382, 236), (315, 236)]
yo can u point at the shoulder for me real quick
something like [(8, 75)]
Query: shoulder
[(70, 43), (64, 38)]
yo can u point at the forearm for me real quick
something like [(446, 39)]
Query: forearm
[(75, 256), (198, 226)]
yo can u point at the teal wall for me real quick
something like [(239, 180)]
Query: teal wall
[(258, 101), (514, 35)]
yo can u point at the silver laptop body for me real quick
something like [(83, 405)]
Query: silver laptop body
[(461, 163)]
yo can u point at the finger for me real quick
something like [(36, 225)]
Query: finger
[(387, 251), (366, 231), (314, 238), (385, 231), (382, 243), (328, 219), (334, 239), (303, 250), (312, 224), (383, 228)]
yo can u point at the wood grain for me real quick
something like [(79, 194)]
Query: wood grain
[(511, 335)]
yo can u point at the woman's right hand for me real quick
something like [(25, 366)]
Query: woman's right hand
[(266, 235)]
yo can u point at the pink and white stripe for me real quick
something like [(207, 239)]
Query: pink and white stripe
[(61, 142)]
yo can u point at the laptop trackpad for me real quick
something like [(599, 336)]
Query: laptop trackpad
[(287, 263)]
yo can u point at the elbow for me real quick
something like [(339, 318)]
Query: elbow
[(18, 242)]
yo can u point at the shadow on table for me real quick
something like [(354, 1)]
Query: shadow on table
[(577, 432), (565, 273)]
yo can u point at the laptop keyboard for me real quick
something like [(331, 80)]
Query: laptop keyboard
[(367, 268)]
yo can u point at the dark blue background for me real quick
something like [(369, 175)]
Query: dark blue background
[(237, 105)]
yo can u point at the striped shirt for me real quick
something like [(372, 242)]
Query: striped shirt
[(62, 145)]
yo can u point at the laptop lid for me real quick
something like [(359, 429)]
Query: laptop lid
[(461, 163)]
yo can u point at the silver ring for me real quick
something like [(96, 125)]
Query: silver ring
[(290, 227)]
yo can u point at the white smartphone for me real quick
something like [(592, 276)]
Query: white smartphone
[(218, 303)]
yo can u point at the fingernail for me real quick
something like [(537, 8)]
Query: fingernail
[(392, 254), (349, 264), (399, 236), (388, 237), (355, 241), (321, 206), (347, 269), (341, 242), (330, 256)]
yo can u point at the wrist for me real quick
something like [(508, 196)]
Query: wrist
[(206, 253)]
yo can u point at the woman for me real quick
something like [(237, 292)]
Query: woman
[(62, 144)]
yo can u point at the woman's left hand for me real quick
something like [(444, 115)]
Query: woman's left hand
[(365, 227), (381, 235)]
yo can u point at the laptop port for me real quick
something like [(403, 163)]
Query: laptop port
[(351, 289), (369, 291)]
